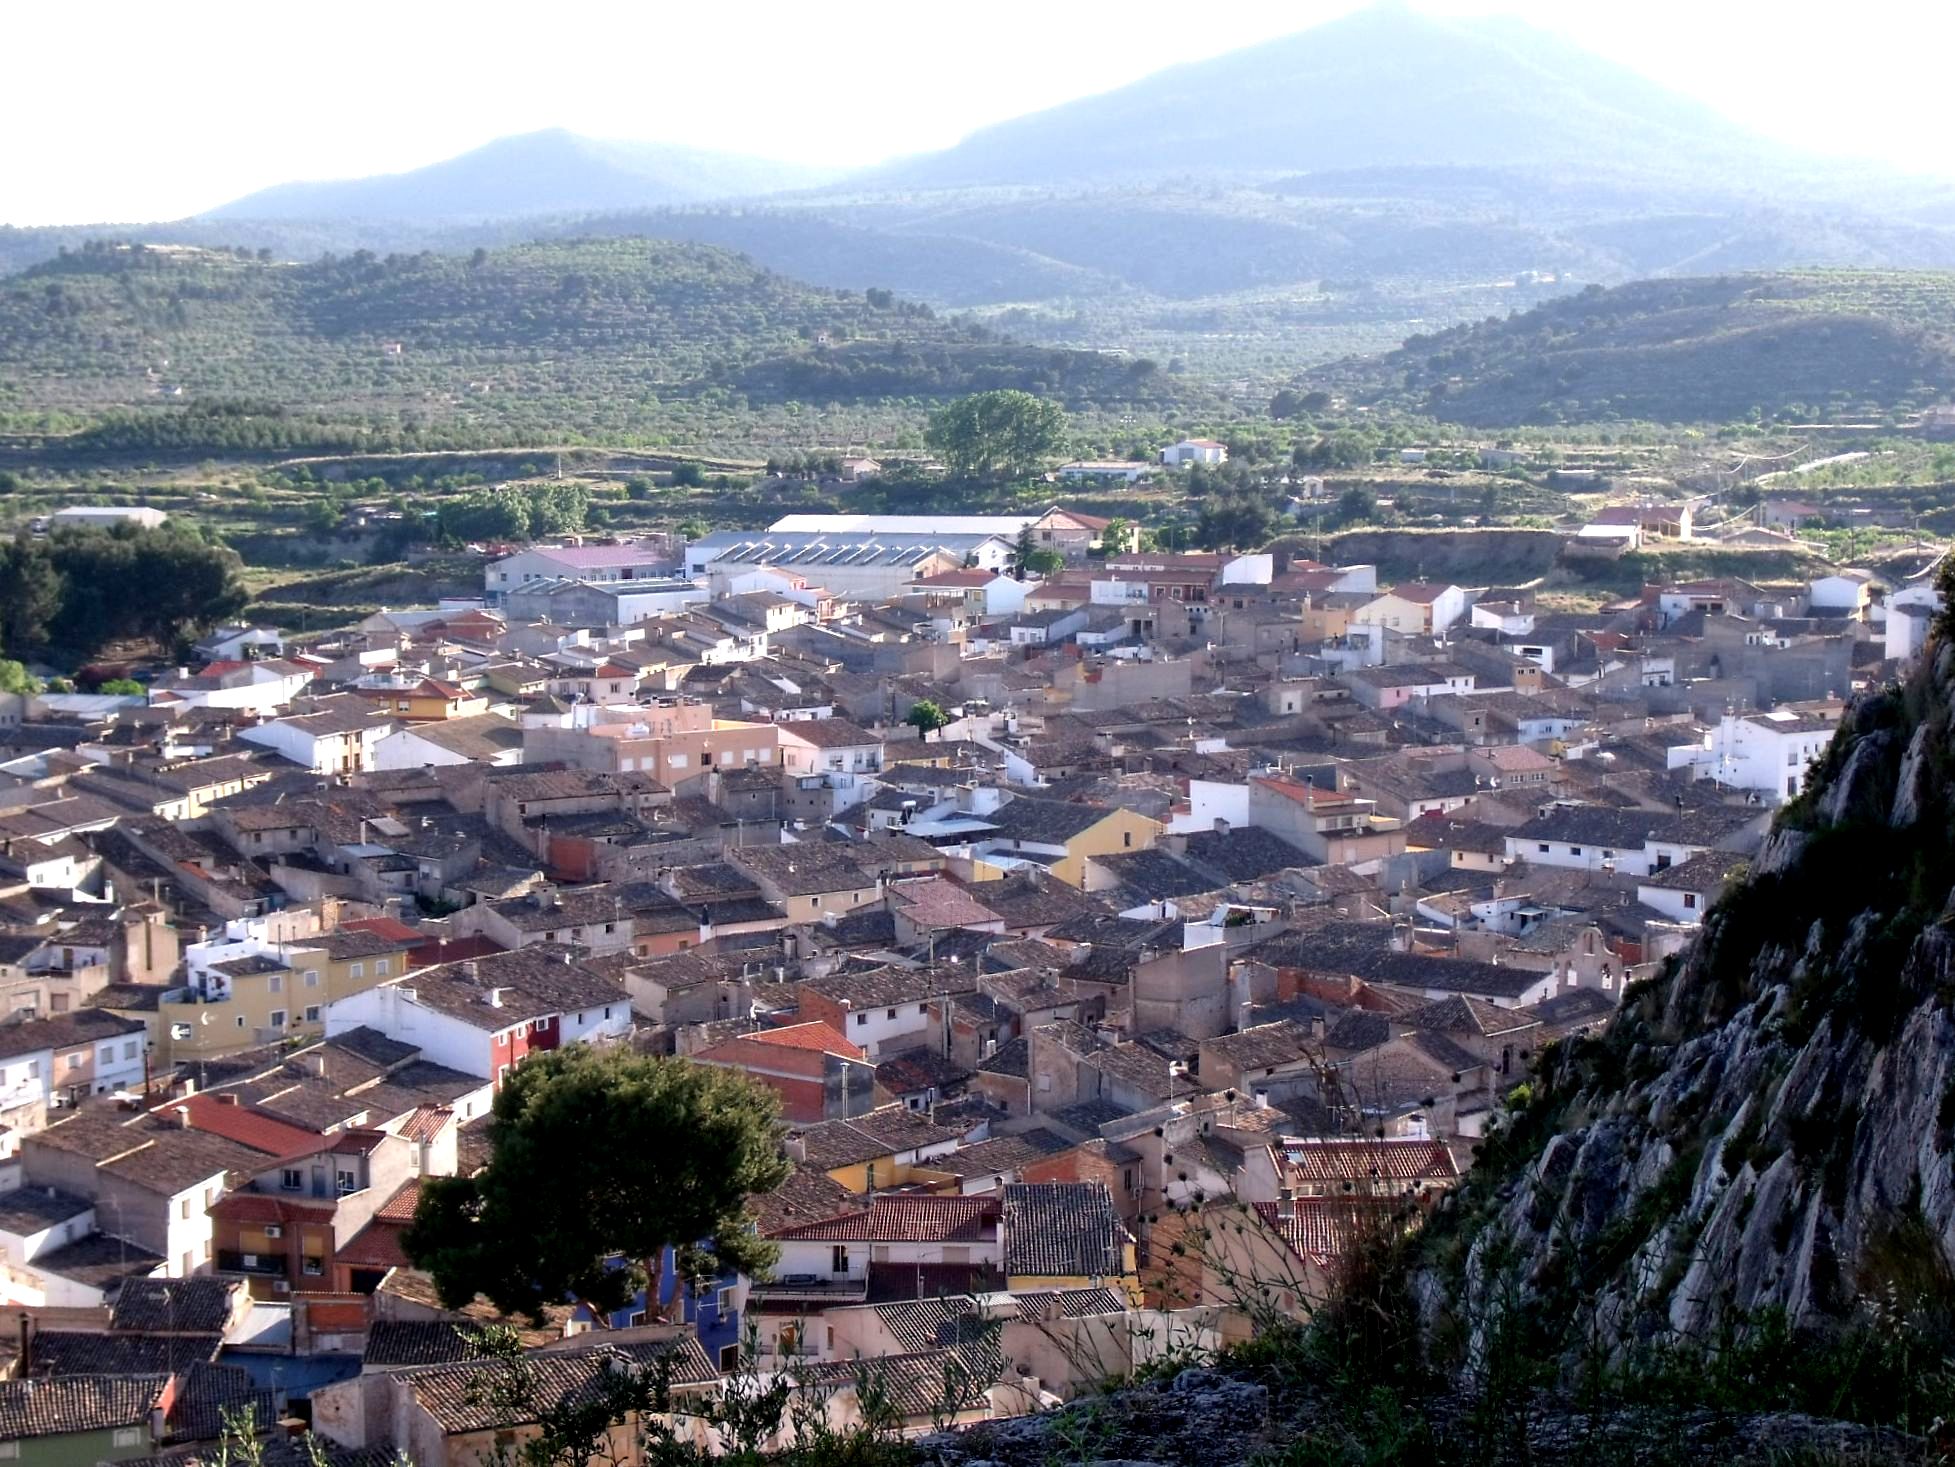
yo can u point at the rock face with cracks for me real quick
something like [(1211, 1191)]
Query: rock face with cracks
[(1766, 1121)]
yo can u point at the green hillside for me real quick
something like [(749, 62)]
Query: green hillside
[(1803, 344), (621, 340)]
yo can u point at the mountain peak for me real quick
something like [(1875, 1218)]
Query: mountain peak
[(1388, 85), (549, 171)]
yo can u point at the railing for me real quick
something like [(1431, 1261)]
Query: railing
[(264, 1264)]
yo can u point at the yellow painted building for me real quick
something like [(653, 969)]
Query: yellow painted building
[(267, 993), (1116, 833)]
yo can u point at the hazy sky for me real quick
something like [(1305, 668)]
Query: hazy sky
[(130, 110)]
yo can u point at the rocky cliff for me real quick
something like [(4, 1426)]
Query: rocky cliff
[(1764, 1144)]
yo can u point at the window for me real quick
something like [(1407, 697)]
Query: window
[(277, 1019), (1544, 848), (607, 1011), (276, 983), (729, 1358), (861, 1019), (1574, 850), (890, 1015), (74, 1062), (723, 1302), (380, 967), (312, 1013), (210, 1196), (183, 1209), (291, 1179), (240, 1021), (311, 977), (1689, 900), (839, 1261), (637, 1317), (128, 1436), (1791, 757), (314, 1267), (356, 970), (347, 1181), (129, 1050), (1126, 837)]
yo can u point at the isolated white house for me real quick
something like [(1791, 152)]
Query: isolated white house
[(1194, 451)]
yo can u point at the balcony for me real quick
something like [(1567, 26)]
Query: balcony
[(261, 1265)]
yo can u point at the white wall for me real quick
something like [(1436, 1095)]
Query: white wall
[(1211, 800)]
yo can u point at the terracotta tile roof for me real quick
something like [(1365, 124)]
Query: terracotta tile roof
[(246, 1125), (1062, 1230), (400, 1207), (816, 1034), (425, 1122), (1332, 1161), (908, 1220), (178, 1306), (77, 1403), (1321, 1230), (377, 1246)]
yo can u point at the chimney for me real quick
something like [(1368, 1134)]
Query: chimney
[(26, 1345), (183, 1116), (1262, 1100), (1221, 826), (495, 998), (471, 971), (319, 1064), (229, 1097)]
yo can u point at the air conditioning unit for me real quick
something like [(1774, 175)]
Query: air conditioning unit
[(281, 1286), (251, 1260), (274, 1230)]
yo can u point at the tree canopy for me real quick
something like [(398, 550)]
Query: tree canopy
[(926, 717), (1004, 432), (602, 1156), (78, 589)]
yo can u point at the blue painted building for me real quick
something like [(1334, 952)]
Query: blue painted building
[(712, 1311)]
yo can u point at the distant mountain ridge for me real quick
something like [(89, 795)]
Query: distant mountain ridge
[(1381, 87), (550, 172)]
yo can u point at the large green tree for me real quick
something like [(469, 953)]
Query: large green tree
[(1006, 432), (30, 593), (602, 1155)]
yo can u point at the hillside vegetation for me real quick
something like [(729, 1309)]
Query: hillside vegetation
[(549, 342), (1809, 345)]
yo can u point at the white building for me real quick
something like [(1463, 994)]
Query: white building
[(486, 738), (575, 563), (1194, 451), (106, 516), (1844, 591), (259, 687), (853, 563), (1005, 526), (229, 643), (1767, 752), (339, 739), (1124, 471), (1910, 617)]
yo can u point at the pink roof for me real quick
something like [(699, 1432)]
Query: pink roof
[(601, 557)]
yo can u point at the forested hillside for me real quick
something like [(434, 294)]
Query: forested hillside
[(549, 342), (1805, 344)]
